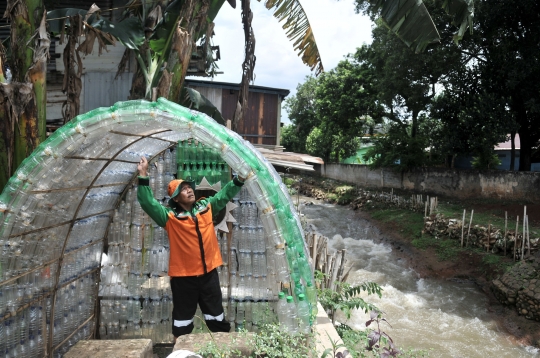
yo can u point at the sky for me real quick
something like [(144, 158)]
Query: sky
[(337, 28)]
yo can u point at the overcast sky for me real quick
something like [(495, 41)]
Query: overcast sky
[(338, 31)]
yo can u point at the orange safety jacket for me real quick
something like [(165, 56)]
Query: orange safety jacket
[(194, 249)]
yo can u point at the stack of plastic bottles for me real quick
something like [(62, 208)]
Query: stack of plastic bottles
[(135, 294), (255, 272), (25, 334), (196, 161)]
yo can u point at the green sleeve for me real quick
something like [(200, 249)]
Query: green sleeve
[(220, 200), (149, 204)]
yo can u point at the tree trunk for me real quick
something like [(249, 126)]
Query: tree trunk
[(247, 66), (525, 150), (513, 151), (414, 127), (24, 99)]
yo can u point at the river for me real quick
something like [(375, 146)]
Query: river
[(446, 318)]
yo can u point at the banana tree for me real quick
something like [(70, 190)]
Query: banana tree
[(162, 36), (23, 97)]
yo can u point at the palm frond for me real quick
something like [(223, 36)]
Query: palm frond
[(298, 30)]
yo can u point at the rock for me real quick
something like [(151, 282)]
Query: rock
[(133, 348), (234, 341), (524, 311)]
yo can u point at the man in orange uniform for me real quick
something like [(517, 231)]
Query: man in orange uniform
[(194, 249)]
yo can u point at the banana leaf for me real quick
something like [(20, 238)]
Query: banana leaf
[(298, 30), (129, 31), (195, 100), (411, 22)]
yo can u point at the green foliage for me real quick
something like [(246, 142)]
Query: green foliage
[(303, 115), (319, 143), (411, 21), (508, 68), (289, 181), (212, 350), (422, 242), (486, 161), (345, 298), (290, 139), (447, 249), (334, 352), (355, 341), (398, 149), (273, 342)]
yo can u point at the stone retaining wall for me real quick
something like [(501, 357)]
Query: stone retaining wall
[(520, 287), (460, 184)]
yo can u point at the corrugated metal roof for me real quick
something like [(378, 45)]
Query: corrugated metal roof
[(290, 159), (225, 85), (508, 144)]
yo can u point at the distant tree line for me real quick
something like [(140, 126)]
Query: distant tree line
[(427, 108)]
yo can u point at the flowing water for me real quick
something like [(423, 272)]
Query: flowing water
[(447, 317)]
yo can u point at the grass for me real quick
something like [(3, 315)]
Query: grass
[(410, 223)]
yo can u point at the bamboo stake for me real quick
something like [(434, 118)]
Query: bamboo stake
[(314, 251), (463, 226), (505, 230), (528, 238), (516, 237), (489, 236), (523, 241), (469, 230), (342, 264), (425, 212)]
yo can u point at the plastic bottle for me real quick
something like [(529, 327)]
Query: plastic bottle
[(167, 159), (311, 294), (32, 346), (299, 289), (102, 330), (39, 343), (240, 315), (292, 316), (2, 337), (303, 314), (281, 309)]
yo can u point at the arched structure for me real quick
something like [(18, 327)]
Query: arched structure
[(56, 209)]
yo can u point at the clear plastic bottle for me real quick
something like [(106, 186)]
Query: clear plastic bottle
[(32, 346), (241, 292), (311, 295), (281, 309), (303, 314), (147, 237), (240, 315), (40, 346), (102, 330), (167, 161), (248, 292), (292, 316)]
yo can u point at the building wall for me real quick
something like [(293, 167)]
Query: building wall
[(261, 119), (461, 184)]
